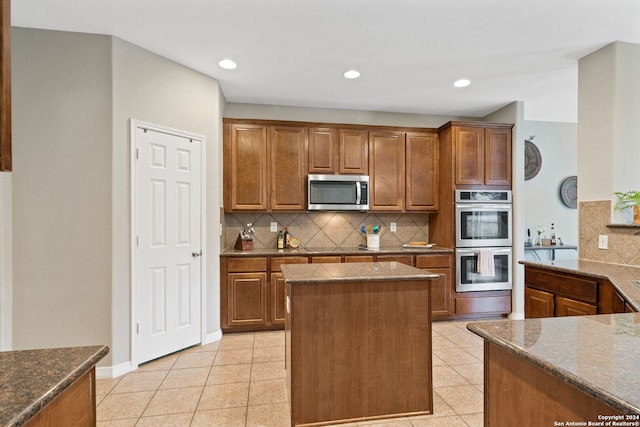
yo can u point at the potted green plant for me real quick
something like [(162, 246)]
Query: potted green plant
[(627, 200)]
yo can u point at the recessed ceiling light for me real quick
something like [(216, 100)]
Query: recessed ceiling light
[(227, 64), (351, 74), (462, 83)]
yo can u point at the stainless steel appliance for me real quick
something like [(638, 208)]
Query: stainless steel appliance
[(483, 218), (483, 225), (468, 278), (338, 192)]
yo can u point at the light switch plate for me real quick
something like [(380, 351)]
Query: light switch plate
[(393, 227), (274, 227), (603, 241)]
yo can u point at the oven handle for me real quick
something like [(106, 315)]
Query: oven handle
[(477, 250), (483, 206)]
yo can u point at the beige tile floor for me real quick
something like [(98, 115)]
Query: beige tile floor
[(240, 381)]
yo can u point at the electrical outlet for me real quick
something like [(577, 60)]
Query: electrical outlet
[(603, 241), (392, 227), (274, 227)]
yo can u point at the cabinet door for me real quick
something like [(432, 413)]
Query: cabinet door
[(245, 168), (441, 292), (386, 171), (278, 299), (323, 150), (469, 155), (422, 174), (288, 168), (247, 303), (497, 157), (538, 303), (354, 152), (569, 307)]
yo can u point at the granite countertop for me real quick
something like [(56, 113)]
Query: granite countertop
[(30, 379), (385, 250), (599, 355), (352, 272), (624, 277)]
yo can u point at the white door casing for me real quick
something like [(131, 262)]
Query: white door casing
[(167, 241)]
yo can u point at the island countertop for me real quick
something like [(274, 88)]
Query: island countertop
[(352, 272), (30, 379), (599, 355), (626, 278)]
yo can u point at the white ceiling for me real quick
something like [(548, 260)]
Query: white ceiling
[(294, 52)]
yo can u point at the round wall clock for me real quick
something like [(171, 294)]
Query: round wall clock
[(532, 160)]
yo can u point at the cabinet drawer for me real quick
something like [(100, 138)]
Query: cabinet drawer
[(403, 259), (277, 262), (570, 286), (358, 258), (324, 259), (423, 261), (240, 265), (496, 304)]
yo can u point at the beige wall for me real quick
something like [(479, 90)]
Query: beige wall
[(61, 189), (74, 96)]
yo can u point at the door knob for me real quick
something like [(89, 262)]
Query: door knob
[(196, 254)]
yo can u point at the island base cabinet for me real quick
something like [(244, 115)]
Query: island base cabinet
[(75, 407), (358, 351), (517, 393)]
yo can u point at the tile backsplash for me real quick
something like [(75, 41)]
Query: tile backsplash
[(624, 242), (327, 229)]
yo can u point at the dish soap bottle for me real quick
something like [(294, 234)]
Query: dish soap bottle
[(553, 234), (280, 240)]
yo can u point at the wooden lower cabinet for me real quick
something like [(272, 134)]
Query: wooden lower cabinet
[(277, 299), (441, 288), (247, 299), (554, 294), (477, 304)]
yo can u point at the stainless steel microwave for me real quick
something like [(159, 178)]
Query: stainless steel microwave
[(338, 192)]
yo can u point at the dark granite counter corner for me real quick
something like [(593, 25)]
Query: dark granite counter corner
[(30, 379), (599, 355)]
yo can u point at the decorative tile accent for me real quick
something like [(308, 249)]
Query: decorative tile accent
[(328, 229), (624, 244)]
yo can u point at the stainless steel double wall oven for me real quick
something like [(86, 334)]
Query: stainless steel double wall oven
[(483, 228)]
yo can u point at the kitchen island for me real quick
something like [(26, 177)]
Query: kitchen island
[(358, 341), (49, 387), (553, 371)]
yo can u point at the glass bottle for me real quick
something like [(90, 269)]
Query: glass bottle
[(553, 234), (280, 240)]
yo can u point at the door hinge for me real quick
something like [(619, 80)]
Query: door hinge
[(137, 153), (137, 328), (137, 240)]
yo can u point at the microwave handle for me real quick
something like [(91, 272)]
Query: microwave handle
[(358, 193)]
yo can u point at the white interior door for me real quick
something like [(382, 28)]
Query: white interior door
[(168, 242)]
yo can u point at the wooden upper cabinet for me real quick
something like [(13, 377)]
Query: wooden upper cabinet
[(323, 150), (354, 152), (482, 155), (5, 85), (386, 171), (422, 171), (497, 155), (245, 167), (288, 177), (469, 155)]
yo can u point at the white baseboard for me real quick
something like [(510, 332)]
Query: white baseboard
[(516, 316), (108, 372), (215, 336)]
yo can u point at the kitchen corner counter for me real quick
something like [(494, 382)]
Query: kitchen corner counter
[(626, 278), (352, 272), (599, 355), (31, 379)]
